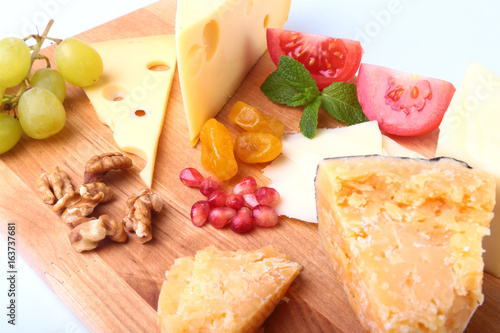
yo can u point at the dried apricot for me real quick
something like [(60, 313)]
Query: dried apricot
[(257, 147), (217, 153), (251, 120)]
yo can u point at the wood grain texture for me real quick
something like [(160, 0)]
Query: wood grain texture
[(115, 288)]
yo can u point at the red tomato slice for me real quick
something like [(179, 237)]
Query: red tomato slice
[(327, 59), (402, 103)]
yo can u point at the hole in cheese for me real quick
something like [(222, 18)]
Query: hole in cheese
[(266, 21), (114, 92), (211, 36), (140, 113), (157, 66), (249, 6), (194, 60)]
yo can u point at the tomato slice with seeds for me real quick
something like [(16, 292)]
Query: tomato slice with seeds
[(327, 59), (402, 103)]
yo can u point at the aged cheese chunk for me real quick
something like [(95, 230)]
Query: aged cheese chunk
[(224, 291), (470, 131), (131, 96), (405, 237), (218, 42)]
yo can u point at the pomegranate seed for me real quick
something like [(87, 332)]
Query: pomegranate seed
[(235, 201), (199, 212), (242, 221), (191, 177), (265, 216), (220, 216), (250, 200), (217, 198), (267, 196), (209, 186), (245, 186)]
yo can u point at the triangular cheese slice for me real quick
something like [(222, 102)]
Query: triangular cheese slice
[(224, 291), (405, 237), (131, 96), (218, 42)]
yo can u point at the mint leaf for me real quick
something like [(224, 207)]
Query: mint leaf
[(340, 100), (296, 75), (279, 91), (290, 84), (309, 119)]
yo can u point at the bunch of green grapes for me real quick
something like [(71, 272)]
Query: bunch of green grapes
[(37, 106)]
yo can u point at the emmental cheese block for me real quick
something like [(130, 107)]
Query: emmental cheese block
[(218, 42), (405, 237), (132, 94), (224, 291), (470, 131)]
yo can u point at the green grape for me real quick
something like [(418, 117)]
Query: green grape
[(50, 79), (10, 132), (78, 62), (41, 113), (15, 61)]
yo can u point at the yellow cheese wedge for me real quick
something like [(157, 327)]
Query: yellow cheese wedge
[(224, 291), (218, 42), (405, 237), (131, 96), (470, 131)]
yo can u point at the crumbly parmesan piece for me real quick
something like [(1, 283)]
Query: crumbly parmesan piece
[(405, 236), (224, 291)]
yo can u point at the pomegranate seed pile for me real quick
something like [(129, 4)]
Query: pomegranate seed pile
[(245, 206)]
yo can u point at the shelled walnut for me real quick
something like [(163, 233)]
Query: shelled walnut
[(97, 167), (54, 185), (138, 218), (84, 200), (85, 236)]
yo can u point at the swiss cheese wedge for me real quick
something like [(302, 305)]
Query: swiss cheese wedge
[(218, 42), (405, 237), (131, 96), (224, 291)]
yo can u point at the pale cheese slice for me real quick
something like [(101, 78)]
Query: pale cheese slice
[(218, 42), (132, 94), (224, 291), (470, 131)]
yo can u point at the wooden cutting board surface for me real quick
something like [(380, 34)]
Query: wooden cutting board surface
[(115, 288)]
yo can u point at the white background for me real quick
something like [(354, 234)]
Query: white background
[(436, 38)]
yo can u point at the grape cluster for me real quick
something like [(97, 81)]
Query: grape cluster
[(37, 106)]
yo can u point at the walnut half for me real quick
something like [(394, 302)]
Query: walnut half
[(138, 218), (54, 185), (85, 236), (97, 167)]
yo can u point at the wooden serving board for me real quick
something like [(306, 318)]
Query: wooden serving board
[(115, 288)]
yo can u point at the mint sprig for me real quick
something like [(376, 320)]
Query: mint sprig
[(291, 84)]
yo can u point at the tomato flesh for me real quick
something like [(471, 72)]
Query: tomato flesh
[(402, 103), (327, 59)]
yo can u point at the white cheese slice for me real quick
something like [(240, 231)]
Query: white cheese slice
[(131, 96), (470, 131), (292, 173), (218, 42)]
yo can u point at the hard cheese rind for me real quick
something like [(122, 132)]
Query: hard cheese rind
[(224, 291), (405, 237), (131, 96), (470, 131), (218, 42)]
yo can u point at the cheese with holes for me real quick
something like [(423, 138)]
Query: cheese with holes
[(470, 131), (292, 173), (131, 96), (224, 291), (218, 42), (405, 237)]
